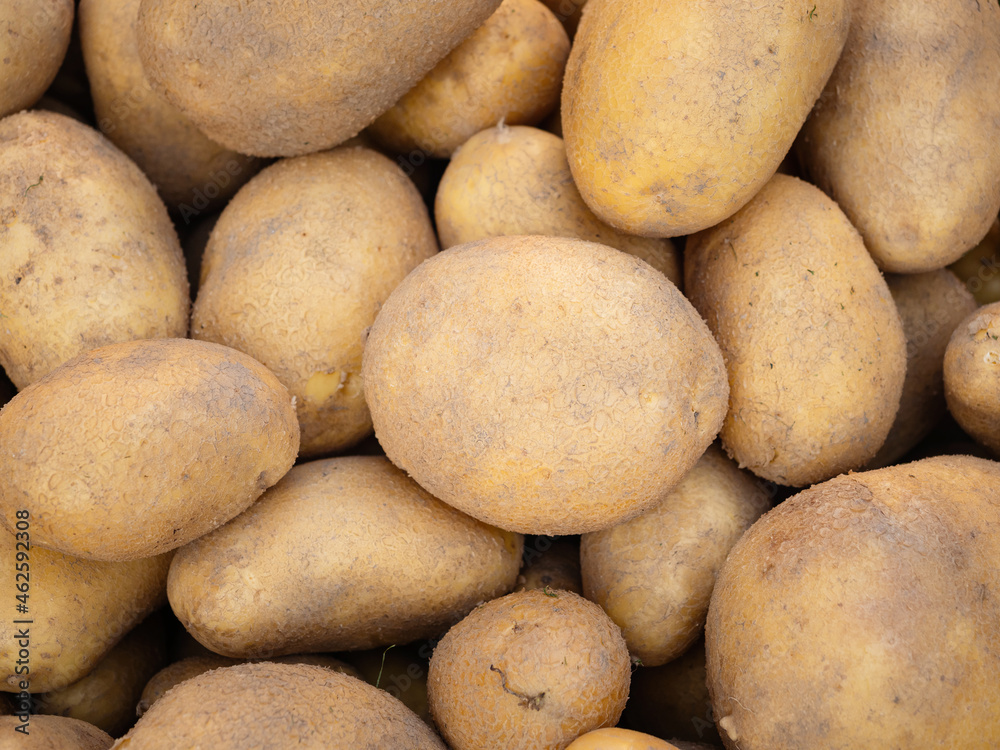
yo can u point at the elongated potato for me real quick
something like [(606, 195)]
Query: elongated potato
[(32, 47), (54, 733), (134, 449), (972, 375), (676, 113)]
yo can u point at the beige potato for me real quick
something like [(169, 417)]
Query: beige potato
[(972, 375), (90, 256), (813, 343), (979, 269), (401, 671), (551, 564), (53, 733), (516, 180), (568, 12), (32, 49), (296, 269), (134, 449)]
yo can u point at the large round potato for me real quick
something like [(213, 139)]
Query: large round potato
[(972, 375), (543, 385), (134, 449), (32, 46), (862, 613), (813, 343)]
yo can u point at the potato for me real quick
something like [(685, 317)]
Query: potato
[(568, 12), (509, 70), (284, 578), (399, 671), (814, 392), (903, 137), (543, 385), (317, 243), (676, 114), (192, 173), (234, 709), (654, 574), (551, 563), (619, 739), (80, 609), (90, 256), (53, 733), (972, 375), (862, 613), (291, 79), (979, 269), (134, 449), (32, 49), (516, 180), (528, 670)]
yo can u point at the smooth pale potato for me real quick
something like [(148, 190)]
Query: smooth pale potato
[(291, 79), (284, 578), (234, 708), (813, 343), (173, 153), (296, 269), (979, 269), (903, 137), (619, 739), (80, 609), (516, 180), (654, 574), (528, 670), (854, 606), (551, 563), (32, 49), (52, 733), (972, 375), (510, 70), (134, 449), (90, 256), (541, 384), (675, 114)]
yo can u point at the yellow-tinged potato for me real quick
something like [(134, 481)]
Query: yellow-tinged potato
[(654, 574), (294, 78), (284, 577), (551, 563), (296, 269), (528, 670), (79, 610), (89, 254), (813, 343), (979, 269), (613, 738), (134, 449), (541, 384), (568, 13), (32, 47), (972, 375), (516, 180), (268, 705), (51, 733), (510, 70), (675, 113), (862, 613), (904, 135), (400, 671)]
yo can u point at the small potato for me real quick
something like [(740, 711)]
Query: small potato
[(510, 70), (399, 671), (52, 733), (32, 47), (972, 375), (979, 269), (568, 13), (551, 563), (619, 739)]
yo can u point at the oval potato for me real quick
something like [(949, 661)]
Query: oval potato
[(972, 375), (32, 49), (613, 738), (55, 733)]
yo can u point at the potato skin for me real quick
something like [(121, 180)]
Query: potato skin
[(852, 607), (613, 738), (563, 386), (137, 448), (814, 394), (32, 49), (516, 180), (903, 137), (55, 733), (676, 113), (90, 256), (294, 78), (972, 375)]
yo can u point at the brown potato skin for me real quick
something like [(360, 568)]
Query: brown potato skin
[(137, 448), (54, 733), (90, 256), (291, 79), (852, 607), (972, 375), (32, 49)]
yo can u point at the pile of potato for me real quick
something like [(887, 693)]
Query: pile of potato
[(483, 374)]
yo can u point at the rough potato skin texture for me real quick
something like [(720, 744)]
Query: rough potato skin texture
[(676, 113), (510, 70), (863, 613), (273, 78), (284, 578), (654, 574), (813, 343), (541, 384), (904, 135), (930, 305), (296, 270), (81, 608), (235, 708), (516, 180), (90, 256), (529, 670), (53, 733), (134, 449), (31, 49), (972, 375), (613, 738)]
